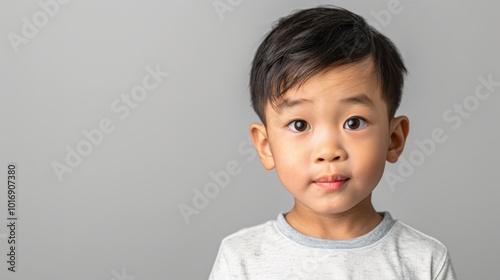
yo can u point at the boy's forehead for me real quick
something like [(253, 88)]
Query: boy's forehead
[(357, 80)]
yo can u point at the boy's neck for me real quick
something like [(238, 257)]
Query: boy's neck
[(353, 223)]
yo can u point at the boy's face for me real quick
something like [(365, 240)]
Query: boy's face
[(330, 138)]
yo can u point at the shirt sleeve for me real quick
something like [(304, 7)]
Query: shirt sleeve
[(447, 272), (220, 270)]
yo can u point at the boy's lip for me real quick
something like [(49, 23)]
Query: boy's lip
[(331, 182)]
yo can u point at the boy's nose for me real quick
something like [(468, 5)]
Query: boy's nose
[(329, 151)]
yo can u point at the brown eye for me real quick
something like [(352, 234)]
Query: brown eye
[(298, 125), (354, 123)]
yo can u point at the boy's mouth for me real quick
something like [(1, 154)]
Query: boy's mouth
[(331, 182)]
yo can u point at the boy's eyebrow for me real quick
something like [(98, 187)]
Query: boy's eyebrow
[(362, 99), (285, 102)]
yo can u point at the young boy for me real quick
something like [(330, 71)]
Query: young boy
[(326, 87)]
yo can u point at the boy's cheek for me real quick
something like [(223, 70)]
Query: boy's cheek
[(368, 159)]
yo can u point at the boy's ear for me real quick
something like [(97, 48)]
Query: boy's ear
[(261, 143), (399, 129)]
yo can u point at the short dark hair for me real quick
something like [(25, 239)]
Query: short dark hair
[(313, 40)]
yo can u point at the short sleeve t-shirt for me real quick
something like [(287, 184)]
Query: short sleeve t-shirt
[(275, 250)]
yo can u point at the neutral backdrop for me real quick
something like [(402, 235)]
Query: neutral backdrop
[(112, 208)]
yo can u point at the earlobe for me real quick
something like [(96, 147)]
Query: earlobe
[(400, 127), (261, 143)]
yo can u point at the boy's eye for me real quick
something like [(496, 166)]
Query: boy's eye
[(354, 123), (299, 126)]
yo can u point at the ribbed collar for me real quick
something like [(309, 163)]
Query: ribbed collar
[(367, 239)]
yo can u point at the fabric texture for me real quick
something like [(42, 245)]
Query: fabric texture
[(274, 250)]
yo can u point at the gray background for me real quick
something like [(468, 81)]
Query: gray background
[(117, 212)]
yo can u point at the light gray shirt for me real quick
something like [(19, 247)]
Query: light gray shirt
[(274, 250)]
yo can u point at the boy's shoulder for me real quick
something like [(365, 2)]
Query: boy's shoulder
[(407, 235), (405, 238), (250, 235)]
